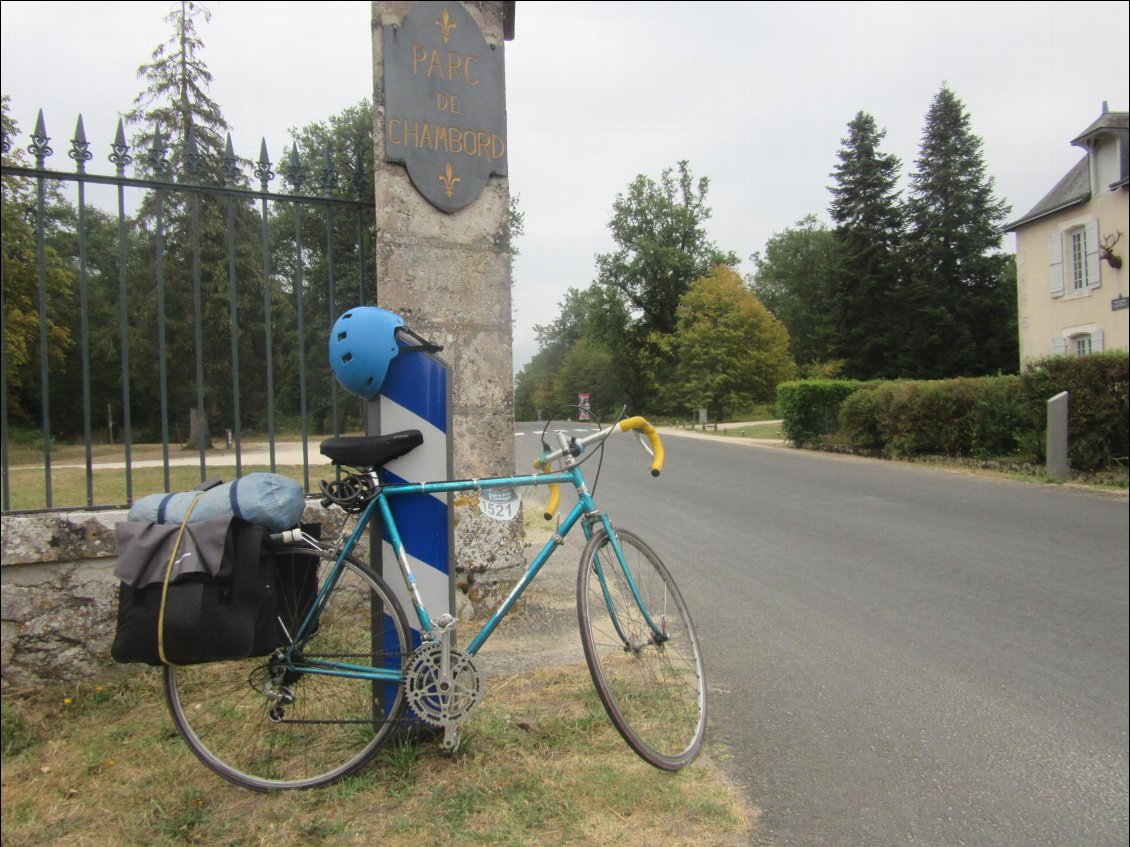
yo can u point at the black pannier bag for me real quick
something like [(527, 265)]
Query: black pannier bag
[(296, 580), (221, 600)]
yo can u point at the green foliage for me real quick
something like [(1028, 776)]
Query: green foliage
[(727, 348), (989, 417), (793, 279), (964, 305), (866, 292), (1098, 421), (810, 408), (660, 233), (336, 267), (175, 100), (126, 315), (906, 289), (958, 417), (628, 314), (22, 210), (589, 368), (597, 317)]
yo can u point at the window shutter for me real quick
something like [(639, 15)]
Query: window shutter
[(1059, 346), (1055, 264), (1094, 280), (1097, 341)]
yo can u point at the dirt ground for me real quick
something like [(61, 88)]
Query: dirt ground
[(541, 630)]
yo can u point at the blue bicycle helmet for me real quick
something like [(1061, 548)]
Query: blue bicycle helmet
[(362, 344)]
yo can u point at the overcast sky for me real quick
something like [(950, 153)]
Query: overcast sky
[(757, 97)]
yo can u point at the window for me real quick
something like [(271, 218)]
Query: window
[(1078, 341), (1077, 240), (1073, 260)]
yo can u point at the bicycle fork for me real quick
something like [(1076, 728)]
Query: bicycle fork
[(618, 562)]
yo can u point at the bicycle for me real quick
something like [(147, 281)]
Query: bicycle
[(327, 700)]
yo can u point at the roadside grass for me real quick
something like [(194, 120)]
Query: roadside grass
[(769, 430), (540, 764)]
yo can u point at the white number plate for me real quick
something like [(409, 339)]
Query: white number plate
[(500, 504)]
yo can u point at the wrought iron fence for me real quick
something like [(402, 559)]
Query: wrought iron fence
[(184, 304)]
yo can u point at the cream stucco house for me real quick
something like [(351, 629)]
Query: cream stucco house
[(1071, 252)]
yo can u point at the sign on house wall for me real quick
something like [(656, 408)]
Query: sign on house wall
[(445, 104)]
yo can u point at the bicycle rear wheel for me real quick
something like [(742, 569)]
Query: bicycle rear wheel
[(652, 686), (267, 726)]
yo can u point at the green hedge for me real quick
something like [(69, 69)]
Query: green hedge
[(810, 408), (954, 417), (982, 417), (1098, 417)]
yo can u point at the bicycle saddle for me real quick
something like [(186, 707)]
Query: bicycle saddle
[(370, 451)]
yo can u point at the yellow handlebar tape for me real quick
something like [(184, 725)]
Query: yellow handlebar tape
[(554, 492), (652, 436)]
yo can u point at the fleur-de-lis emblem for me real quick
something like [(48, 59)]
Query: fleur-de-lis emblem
[(446, 25), (448, 178)]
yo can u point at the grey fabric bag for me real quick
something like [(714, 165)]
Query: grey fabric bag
[(221, 598)]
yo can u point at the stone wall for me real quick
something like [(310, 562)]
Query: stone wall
[(59, 597)]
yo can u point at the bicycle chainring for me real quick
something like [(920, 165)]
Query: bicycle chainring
[(433, 701)]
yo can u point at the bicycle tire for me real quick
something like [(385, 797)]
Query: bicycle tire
[(654, 693), (333, 725)]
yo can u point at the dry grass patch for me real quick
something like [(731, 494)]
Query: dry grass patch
[(540, 764)]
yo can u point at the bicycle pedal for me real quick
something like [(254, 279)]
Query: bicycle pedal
[(451, 738)]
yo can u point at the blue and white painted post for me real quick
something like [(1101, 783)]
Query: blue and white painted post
[(416, 394)]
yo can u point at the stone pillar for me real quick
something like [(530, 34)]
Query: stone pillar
[(449, 275)]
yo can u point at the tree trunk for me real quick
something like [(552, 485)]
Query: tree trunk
[(194, 431)]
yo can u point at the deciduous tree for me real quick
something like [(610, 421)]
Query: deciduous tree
[(793, 278), (728, 349)]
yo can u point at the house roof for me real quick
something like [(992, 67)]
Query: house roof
[(1116, 123), (1073, 188)]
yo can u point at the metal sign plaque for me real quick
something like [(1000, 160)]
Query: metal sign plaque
[(445, 104)]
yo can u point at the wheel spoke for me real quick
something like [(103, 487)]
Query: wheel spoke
[(266, 725), (646, 667)]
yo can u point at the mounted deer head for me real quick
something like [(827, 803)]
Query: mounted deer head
[(1106, 250)]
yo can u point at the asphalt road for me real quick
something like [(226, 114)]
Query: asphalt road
[(897, 655)]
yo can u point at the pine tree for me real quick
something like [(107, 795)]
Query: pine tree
[(182, 135), (175, 102), (867, 282), (965, 310)]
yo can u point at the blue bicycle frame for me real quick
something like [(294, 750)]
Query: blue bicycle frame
[(380, 504)]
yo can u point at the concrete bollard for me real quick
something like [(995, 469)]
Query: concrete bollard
[(1057, 466)]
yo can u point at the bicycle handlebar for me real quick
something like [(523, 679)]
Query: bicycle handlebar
[(638, 423), (554, 490), (544, 462)]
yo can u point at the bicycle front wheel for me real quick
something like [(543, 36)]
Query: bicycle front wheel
[(268, 724), (642, 653)]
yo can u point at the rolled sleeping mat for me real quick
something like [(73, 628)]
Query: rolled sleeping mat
[(267, 499)]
